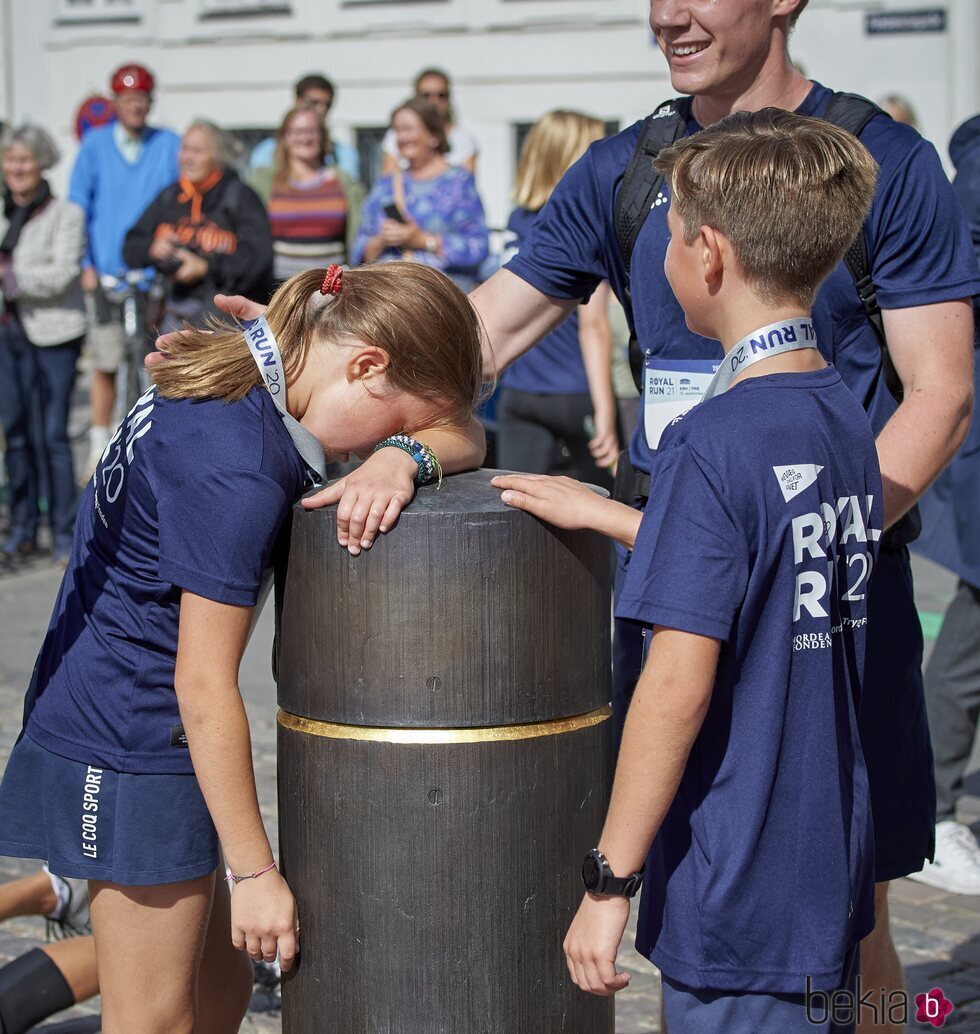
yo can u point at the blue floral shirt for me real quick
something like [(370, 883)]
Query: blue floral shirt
[(447, 206)]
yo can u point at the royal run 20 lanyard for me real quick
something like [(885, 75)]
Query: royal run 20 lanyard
[(773, 339), (265, 351)]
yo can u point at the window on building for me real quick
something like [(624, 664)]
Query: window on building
[(98, 10), (221, 8), (369, 152)]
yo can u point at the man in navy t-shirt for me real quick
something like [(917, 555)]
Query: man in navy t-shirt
[(741, 758), (733, 56)]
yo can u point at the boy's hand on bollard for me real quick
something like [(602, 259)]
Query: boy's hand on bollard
[(567, 503), (592, 942), (264, 921), (234, 305), (370, 498), (561, 501)]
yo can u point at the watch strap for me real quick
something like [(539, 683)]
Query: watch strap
[(608, 882)]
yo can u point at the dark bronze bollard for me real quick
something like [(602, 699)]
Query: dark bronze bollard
[(444, 763)]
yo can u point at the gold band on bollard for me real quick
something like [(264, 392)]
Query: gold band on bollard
[(481, 734)]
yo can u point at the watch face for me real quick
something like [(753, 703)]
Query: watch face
[(591, 873)]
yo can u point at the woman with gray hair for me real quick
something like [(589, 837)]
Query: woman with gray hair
[(207, 233), (42, 324)]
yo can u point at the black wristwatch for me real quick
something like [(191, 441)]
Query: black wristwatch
[(599, 879)]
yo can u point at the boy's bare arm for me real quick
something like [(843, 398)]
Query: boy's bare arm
[(568, 503), (664, 719)]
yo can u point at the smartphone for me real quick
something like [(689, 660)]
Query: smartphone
[(392, 212)]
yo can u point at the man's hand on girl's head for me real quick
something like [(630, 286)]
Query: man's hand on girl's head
[(234, 305)]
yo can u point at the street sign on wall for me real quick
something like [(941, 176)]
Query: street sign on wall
[(889, 22)]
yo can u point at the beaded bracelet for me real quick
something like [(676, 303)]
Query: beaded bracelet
[(423, 455)]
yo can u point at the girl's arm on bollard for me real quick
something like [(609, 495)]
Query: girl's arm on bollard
[(210, 644), (568, 503), (370, 498)]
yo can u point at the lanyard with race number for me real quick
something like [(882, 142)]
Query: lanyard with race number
[(265, 351), (773, 339)]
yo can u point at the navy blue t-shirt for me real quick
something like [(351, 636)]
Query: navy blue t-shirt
[(763, 533), (188, 495), (919, 249), (554, 366)]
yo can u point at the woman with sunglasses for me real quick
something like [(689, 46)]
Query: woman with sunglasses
[(432, 85)]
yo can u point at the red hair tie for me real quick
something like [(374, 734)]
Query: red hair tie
[(333, 281)]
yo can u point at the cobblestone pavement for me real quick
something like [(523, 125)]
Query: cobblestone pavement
[(938, 934)]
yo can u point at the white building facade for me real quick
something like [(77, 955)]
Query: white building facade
[(234, 61)]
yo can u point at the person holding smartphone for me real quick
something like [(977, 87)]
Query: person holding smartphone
[(429, 212)]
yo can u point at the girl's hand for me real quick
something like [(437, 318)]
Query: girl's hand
[(561, 501), (264, 921), (370, 498), (234, 305), (592, 942)]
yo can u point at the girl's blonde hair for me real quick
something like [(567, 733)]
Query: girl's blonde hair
[(416, 314), (556, 141)]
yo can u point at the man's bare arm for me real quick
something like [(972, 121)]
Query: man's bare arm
[(932, 349), (515, 317)]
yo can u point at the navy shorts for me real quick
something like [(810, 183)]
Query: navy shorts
[(893, 724), (725, 1012), (95, 824)]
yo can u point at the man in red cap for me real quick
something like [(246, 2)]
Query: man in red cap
[(119, 170)]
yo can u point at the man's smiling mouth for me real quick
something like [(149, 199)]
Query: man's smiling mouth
[(687, 49)]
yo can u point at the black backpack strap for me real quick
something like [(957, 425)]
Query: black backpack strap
[(853, 112), (638, 191), (641, 181)]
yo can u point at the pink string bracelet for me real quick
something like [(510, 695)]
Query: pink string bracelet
[(235, 880)]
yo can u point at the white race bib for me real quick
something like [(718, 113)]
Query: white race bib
[(670, 388)]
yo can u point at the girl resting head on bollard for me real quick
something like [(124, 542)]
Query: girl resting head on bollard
[(134, 768)]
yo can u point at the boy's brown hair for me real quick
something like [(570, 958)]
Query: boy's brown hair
[(423, 321), (789, 192)]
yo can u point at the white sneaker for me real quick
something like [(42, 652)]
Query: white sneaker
[(957, 864)]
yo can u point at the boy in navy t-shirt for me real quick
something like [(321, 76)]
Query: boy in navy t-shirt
[(741, 781)]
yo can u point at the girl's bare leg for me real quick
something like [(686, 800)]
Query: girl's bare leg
[(148, 944), (225, 979)]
